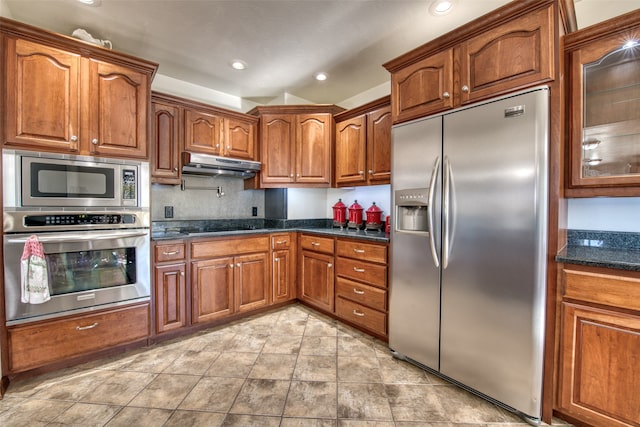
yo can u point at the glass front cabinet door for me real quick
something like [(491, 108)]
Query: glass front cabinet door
[(605, 112)]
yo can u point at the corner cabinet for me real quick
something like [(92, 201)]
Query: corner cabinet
[(296, 145), (599, 363), (64, 95), (363, 145), (604, 88), (510, 48)]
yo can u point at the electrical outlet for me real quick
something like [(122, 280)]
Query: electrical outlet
[(254, 211), (168, 211)]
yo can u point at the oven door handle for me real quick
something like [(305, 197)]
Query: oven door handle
[(74, 237)]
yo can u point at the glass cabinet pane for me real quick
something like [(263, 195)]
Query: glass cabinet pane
[(611, 132)]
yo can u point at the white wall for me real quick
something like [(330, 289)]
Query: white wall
[(367, 96), (4, 9), (305, 203), (605, 213)]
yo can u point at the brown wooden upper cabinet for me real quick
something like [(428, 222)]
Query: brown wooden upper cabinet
[(296, 145), (183, 125), (604, 89), (64, 95), (509, 48), (363, 145)]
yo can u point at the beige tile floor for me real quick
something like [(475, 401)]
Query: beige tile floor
[(291, 367)]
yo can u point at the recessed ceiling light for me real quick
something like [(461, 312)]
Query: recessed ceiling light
[(321, 76), (238, 64), (441, 7), (91, 2)]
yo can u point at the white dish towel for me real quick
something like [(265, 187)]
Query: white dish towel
[(34, 274)]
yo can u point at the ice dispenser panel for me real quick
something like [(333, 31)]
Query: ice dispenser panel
[(411, 210)]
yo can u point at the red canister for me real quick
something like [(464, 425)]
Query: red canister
[(387, 225), (374, 218), (339, 214), (355, 215)]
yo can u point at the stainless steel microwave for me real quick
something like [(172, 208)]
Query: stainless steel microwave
[(34, 179)]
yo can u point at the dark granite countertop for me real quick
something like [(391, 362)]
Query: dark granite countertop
[(167, 230), (617, 250)]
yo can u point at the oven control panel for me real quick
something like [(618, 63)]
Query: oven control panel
[(67, 220)]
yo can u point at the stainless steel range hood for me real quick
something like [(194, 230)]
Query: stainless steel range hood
[(207, 164)]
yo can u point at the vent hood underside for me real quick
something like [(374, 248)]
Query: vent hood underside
[(207, 164)]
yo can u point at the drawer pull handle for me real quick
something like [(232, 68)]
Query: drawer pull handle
[(171, 253), (358, 313), (358, 291), (315, 244), (358, 270), (281, 242), (84, 328), (358, 251)]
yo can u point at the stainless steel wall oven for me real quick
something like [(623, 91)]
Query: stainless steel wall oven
[(91, 218)]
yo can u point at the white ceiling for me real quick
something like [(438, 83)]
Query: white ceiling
[(284, 42)]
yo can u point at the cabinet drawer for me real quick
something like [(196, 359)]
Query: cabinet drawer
[(280, 241), (373, 274), (363, 294), (170, 252), (361, 315), (50, 341), (364, 251), (229, 246), (595, 285), (316, 243)]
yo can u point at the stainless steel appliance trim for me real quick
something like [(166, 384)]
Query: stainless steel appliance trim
[(14, 220), (446, 213), (70, 237)]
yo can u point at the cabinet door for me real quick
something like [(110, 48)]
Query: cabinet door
[(212, 289), (423, 88), (171, 300), (605, 117), (379, 146), (317, 280), (516, 54), (314, 133), (118, 98), (282, 275), (600, 367), (42, 97), (165, 161), (239, 139), (277, 136), (351, 140), (252, 281), (202, 132)]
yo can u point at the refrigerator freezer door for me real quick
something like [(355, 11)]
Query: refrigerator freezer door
[(494, 285), (414, 301)]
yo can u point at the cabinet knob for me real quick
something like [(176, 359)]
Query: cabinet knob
[(446, 95), (329, 265), (465, 89), (228, 147), (370, 171), (298, 175), (182, 273), (238, 265), (276, 259), (291, 175), (360, 172), (217, 145), (94, 141), (74, 138), (175, 169), (231, 265)]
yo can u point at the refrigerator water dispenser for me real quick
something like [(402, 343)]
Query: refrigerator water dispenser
[(412, 210)]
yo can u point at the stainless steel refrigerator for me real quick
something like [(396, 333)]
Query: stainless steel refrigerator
[(468, 265)]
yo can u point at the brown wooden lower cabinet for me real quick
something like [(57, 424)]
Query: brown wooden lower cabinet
[(170, 286), (599, 366), (317, 280), (49, 341), (212, 289)]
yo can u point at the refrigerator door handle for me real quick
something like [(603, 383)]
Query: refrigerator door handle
[(431, 200), (446, 209)]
